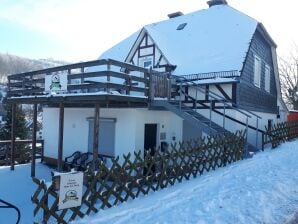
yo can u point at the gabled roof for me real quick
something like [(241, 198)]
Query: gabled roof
[(120, 51), (214, 39)]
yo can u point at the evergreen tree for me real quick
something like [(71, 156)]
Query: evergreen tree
[(21, 130)]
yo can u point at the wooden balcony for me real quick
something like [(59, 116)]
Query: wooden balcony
[(102, 81)]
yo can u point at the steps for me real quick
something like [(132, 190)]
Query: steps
[(197, 120), (194, 118)]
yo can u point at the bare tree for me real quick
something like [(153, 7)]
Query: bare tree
[(288, 71)]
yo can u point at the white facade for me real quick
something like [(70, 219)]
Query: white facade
[(129, 132)]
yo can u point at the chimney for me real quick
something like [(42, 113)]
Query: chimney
[(216, 2), (175, 14)]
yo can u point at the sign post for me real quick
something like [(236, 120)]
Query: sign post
[(71, 190)]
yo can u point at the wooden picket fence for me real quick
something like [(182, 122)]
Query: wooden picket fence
[(137, 175), (280, 133)]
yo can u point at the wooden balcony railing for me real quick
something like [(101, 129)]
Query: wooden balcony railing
[(92, 76)]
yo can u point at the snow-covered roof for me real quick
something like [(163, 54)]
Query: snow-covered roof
[(120, 51), (214, 39)]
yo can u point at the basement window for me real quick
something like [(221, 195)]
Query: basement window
[(181, 26)]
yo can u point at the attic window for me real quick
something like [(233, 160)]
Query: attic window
[(181, 26)]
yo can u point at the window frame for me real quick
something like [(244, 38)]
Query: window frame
[(143, 60), (256, 82)]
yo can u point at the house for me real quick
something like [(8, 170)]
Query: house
[(208, 72)]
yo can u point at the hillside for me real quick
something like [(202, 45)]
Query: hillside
[(12, 64)]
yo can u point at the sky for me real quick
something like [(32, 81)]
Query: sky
[(80, 30)]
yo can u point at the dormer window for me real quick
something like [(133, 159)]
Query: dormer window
[(181, 26)]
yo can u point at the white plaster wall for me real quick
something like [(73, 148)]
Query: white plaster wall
[(129, 133), (167, 122), (75, 130), (201, 95), (283, 112)]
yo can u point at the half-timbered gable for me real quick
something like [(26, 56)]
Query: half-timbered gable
[(145, 53)]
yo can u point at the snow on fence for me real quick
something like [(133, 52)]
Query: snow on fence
[(138, 175), (280, 133)]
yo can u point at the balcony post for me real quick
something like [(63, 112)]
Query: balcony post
[(13, 137), (60, 137), (95, 136), (34, 140)]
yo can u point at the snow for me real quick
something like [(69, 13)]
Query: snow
[(16, 188), (212, 81), (120, 51), (214, 39), (263, 189), (100, 93)]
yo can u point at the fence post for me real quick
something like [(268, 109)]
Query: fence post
[(46, 202), (246, 129)]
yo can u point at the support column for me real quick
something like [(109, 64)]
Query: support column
[(13, 135), (34, 140), (95, 135), (60, 137)]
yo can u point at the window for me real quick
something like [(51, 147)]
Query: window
[(181, 26), (257, 71), (267, 78), (147, 64), (106, 138)]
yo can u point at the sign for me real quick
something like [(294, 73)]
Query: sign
[(71, 189), (56, 82)]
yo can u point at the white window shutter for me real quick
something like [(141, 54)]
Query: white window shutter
[(267, 78), (257, 71)]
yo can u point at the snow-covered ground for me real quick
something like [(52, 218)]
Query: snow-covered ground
[(16, 187), (263, 189)]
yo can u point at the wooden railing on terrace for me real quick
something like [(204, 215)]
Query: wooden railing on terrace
[(81, 76)]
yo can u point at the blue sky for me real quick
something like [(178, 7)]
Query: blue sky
[(78, 30), (21, 40)]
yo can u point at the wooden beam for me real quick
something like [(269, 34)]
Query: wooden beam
[(225, 95), (234, 93), (207, 92), (95, 136), (34, 140), (13, 135), (60, 137)]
